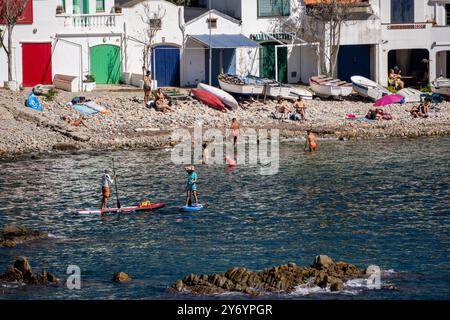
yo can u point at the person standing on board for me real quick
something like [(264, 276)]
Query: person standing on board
[(311, 141), (107, 181), (147, 87), (235, 128), (191, 185)]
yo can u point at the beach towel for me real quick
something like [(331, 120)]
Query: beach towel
[(84, 109), (96, 106), (33, 102)]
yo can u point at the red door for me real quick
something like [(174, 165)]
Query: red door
[(36, 64)]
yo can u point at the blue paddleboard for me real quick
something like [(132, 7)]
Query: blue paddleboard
[(192, 208)]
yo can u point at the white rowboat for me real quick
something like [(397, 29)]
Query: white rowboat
[(368, 88), (328, 87)]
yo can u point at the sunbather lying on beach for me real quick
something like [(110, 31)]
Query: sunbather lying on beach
[(378, 114), (75, 122)]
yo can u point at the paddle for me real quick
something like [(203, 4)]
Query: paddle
[(115, 183)]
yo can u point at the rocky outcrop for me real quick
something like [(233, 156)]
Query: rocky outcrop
[(11, 235), (120, 277), (324, 272), (22, 272)]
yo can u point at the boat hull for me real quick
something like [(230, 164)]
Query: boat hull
[(242, 89), (368, 88), (223, 96), (330, 90)]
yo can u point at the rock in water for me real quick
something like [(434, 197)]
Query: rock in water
[(285, 278), (322, 262), (11, 235), (120, 277), (23, 266)]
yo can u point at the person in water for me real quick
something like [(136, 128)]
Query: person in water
[(107, 181), (311, 141), (235, 128), (191, 185)]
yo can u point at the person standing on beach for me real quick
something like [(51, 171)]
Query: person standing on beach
[(311, 141), (235, 128), (191, 185), (107, 181), (147, 87)]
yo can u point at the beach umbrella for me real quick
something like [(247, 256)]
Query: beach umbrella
[(389, 99)]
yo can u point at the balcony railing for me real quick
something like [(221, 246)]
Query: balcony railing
[(81, 21)]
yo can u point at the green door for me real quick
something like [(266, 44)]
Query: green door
[(267, 62), (105, 63)]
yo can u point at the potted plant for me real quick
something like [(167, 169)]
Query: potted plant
[(59, 9), (117, 8), (89, 83)]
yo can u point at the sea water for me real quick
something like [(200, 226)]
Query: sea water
[(377, 202)]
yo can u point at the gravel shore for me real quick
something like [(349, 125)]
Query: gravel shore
[(129, 124)]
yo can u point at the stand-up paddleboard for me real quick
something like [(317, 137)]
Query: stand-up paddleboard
[(209, 99), (225, 97), (124, 209), (199, 207)]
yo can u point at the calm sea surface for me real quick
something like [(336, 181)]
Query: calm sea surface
[(383, 202)]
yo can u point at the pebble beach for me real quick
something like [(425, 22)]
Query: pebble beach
[(130, 124)]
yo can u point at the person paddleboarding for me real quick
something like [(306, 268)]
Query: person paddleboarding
[(191, 185), (107, 181)]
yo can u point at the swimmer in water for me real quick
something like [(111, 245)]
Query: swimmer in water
[(311, 141)]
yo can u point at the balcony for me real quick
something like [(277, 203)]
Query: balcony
[(90, 21)]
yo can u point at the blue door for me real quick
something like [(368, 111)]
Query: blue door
[(353, 61), (166, 66), (222, 60)]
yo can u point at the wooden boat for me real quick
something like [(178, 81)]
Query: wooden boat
[(290, 93), (241, 85), (223, 96), (410, 94), (441, 85), (328, 87), (368, 88), (209, 99)]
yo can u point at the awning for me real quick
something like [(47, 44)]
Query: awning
[(224, 41)]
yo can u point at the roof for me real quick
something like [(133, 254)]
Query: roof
[(190, 13), (212, 11), (224, 41)]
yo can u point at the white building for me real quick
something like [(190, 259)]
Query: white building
[(70, 37)]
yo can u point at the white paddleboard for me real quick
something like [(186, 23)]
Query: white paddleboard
[(223, 96)]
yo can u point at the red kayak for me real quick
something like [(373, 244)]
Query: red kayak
[(209, 99), (125, 209)]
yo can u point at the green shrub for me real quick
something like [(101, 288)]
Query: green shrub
[(50, 95)]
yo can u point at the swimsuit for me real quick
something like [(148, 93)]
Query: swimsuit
[(313, 146), (190, 186)]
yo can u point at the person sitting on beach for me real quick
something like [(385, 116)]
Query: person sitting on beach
[(235, 130), (311, 141), (191, 185), (299, 107), (75, 122), (161, 103), (394, 79), (422, 110), (281, 111)]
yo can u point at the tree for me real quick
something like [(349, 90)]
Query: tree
[(152, 21), (183, 2), (322, 22), (10, 13)]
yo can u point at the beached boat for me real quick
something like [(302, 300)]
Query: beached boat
[(241, 85), (410, 94), (223, 96), (252, 85), (441, 85), (368, 88), (328, 87)]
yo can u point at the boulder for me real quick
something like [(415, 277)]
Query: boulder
[(23, 273), (23, 266), (120, 277), (336, 284), (322, 262), (11, 235)]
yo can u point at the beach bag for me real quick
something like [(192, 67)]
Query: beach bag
[(33, 102)]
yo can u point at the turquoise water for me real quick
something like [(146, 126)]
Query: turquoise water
[(376, 202)]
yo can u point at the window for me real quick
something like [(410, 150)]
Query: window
[(213, 23), (155, 24), (402, 11), (100, 5), (447, 14), (272, 8)]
